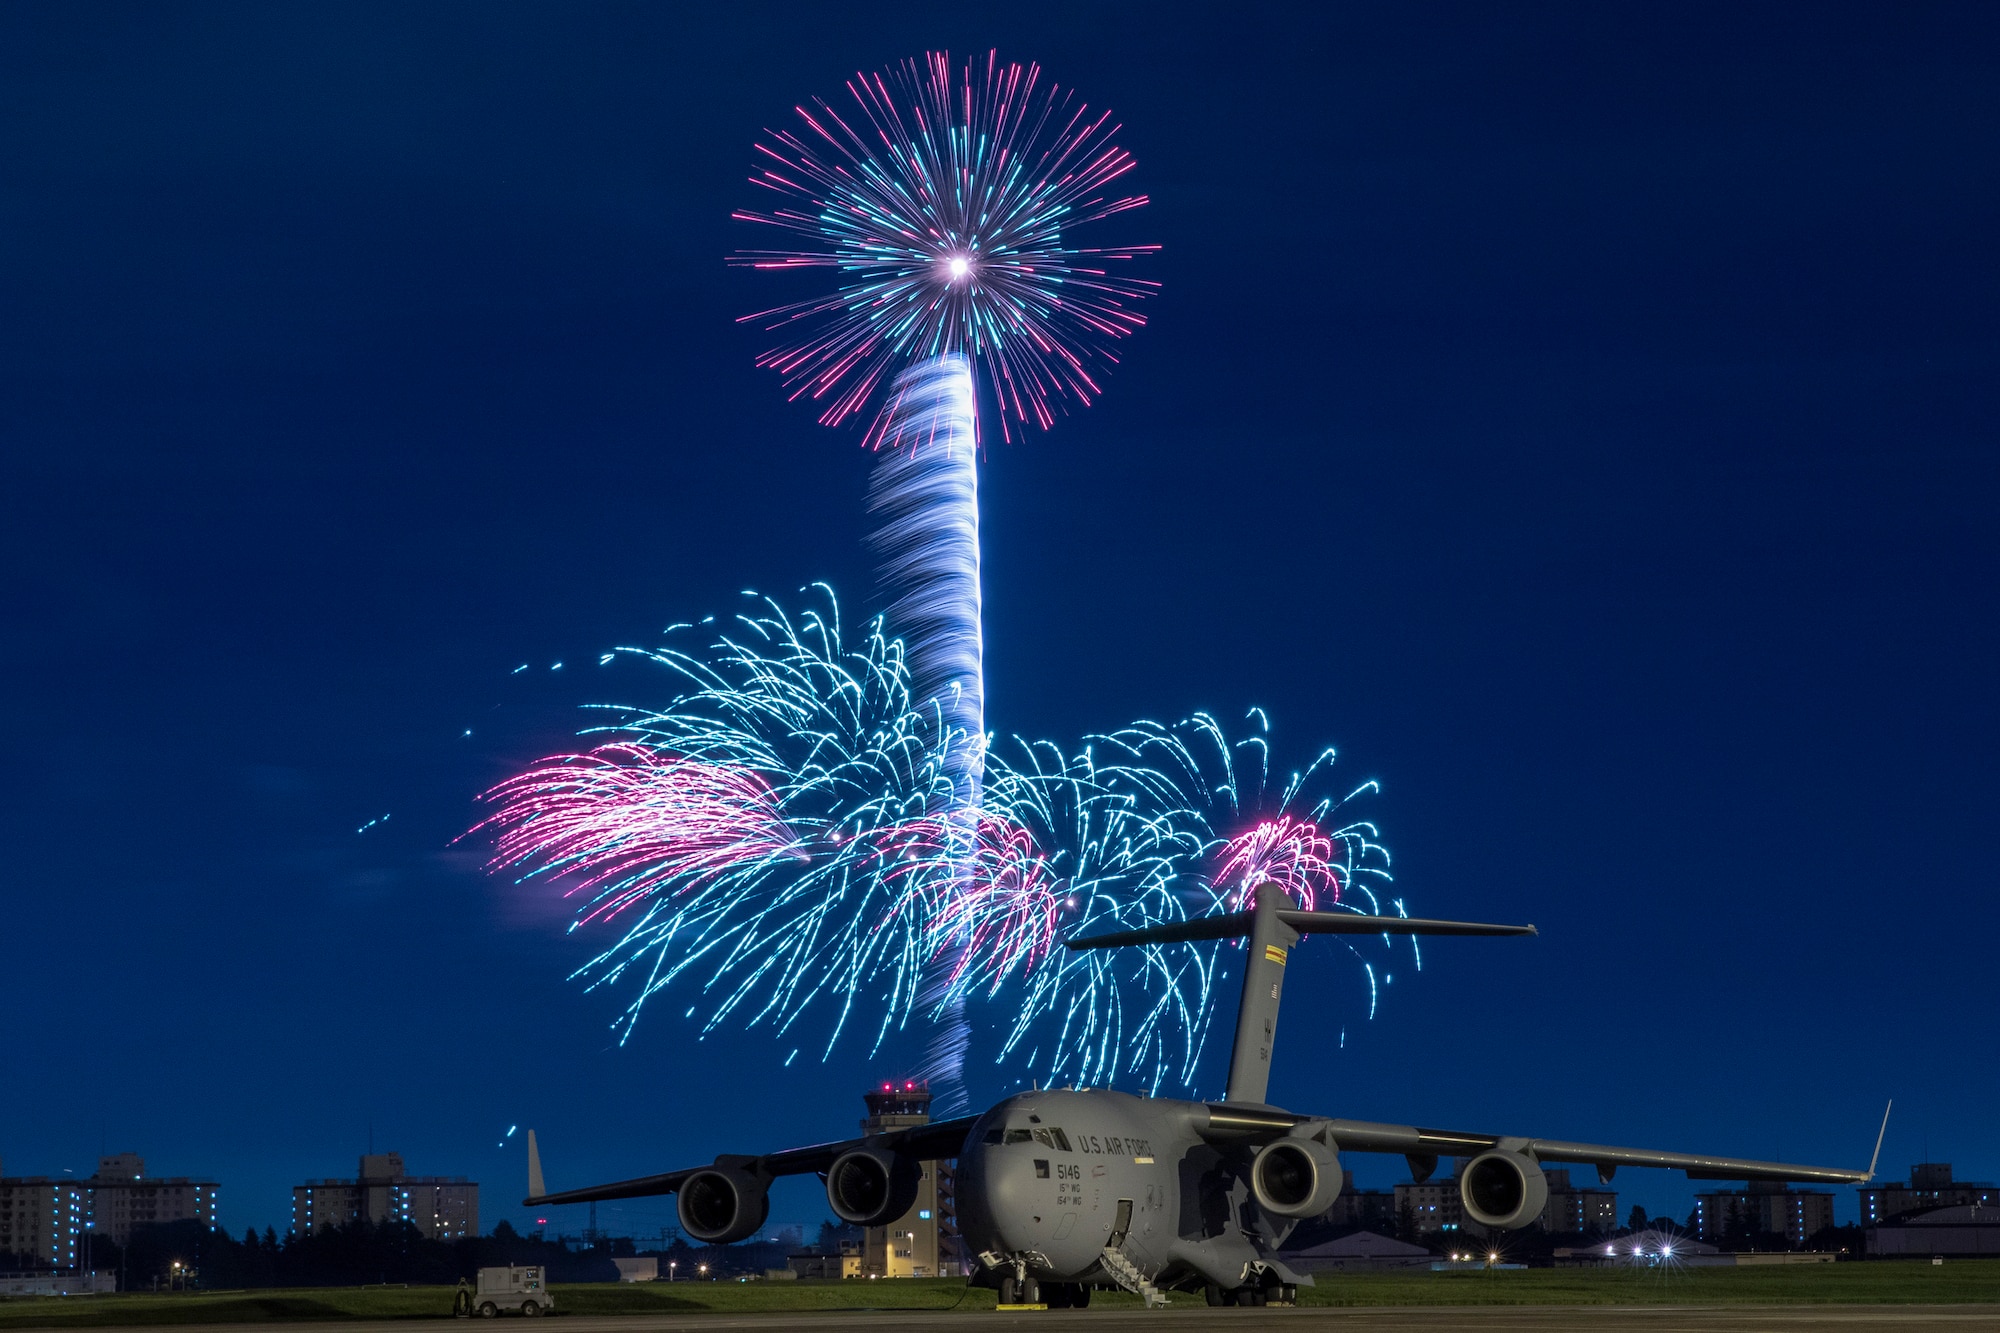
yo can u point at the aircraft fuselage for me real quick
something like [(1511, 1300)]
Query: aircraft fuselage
[(1048, 1182)]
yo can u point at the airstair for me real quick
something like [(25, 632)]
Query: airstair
[(1129, 1277)]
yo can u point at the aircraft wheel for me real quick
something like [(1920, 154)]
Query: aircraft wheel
[(488, 1310), (530, 1309), (1056, 1294), (1249, 1295), (1080, 1296), (1009, 1291), (1031, 1291), (1220, 1295), (1289, 1294)]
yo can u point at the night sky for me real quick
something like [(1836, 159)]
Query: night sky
[(1581, 415)]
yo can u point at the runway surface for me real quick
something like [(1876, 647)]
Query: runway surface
[(1378, 1319)]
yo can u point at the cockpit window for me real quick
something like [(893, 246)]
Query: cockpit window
[(991, 1136), (1062, 1139), (1019, 1136)]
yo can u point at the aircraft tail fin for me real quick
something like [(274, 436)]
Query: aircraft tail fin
[(1273, 925), (536, 1189)]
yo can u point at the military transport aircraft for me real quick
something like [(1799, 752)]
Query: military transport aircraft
[(1062, 1190)]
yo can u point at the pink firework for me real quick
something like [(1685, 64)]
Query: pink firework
[(628, 820), (946, 201), (1291, 853), (988, 901)]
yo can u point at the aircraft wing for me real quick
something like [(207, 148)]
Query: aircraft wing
[(1427, 1145), (1412, 1141), (945, 1138)]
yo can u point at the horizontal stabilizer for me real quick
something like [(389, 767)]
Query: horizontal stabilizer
[(1236, 925)]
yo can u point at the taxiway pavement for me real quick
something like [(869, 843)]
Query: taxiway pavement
[(1368, 1319)]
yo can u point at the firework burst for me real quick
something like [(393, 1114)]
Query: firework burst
[(948, 201), (741, 835), (1254, 829), (786, 837), (626, 821), (813, 827)]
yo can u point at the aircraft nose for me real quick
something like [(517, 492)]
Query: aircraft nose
[(1019, 1212)]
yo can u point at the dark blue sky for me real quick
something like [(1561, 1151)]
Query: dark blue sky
[(1581, 415)]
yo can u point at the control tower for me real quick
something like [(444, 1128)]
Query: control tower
[(924, 1241)]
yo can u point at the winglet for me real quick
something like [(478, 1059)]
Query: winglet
[(1878, 1137), (536, 1189)]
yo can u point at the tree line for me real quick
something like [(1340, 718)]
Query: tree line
[(364, 1253)]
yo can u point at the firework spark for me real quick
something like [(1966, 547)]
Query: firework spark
[(785, 837), (926, 493), (948, 204), (1254, 828), (1291, 853), (925, 488), (630, 820), (1155, 824), (739, 833)]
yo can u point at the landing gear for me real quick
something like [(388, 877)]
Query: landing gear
[(1066, 1295), (1021, 1291), (1251, 1294), (1233, 1295)]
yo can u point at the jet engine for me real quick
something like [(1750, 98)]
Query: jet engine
[(722, 1204), (1503, 1189), (1295, 1177), (872, 1187)]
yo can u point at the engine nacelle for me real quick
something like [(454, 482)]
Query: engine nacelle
[(1295, 1177), (1503, 1189), (722, 1204), (872, 1187)]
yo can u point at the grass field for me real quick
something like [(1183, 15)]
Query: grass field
[(1958, 1282)]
